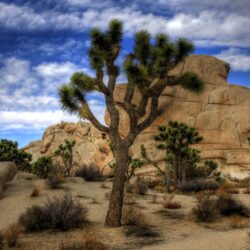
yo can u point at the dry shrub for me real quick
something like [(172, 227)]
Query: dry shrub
[(103, 185), (108, 195), (154, 198), (198, 185), (207, 209), (141, 187), (89, 241), (137, 223), (12, 235), (60, 213), (1, 241), (35, 192), (232, 191), (236, 221), (169, 203), (90, 173), (228, 205), (245, 182), (247, 191), (54, 181), (133, 216)]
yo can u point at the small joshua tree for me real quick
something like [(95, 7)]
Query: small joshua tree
[(176, 140), (147, 70), (65, 152), (9, 152)]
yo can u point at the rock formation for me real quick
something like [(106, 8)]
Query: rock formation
[(8, 171), (221, 114), (91, 145)]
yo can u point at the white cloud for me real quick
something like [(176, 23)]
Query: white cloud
[(206, 26), (55, 69), (238, 59), (25, 108)]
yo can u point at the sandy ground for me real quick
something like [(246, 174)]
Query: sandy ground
[(177, 228)]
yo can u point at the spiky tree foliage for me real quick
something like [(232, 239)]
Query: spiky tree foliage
[(147, 69), (9, 152), (176, 139), (65, 152)]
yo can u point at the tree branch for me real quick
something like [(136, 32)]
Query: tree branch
[(86, 113)]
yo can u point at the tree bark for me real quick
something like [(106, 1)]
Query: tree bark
[(114, 215)]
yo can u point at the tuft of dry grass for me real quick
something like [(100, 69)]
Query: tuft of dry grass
[(88, 241), (1, 241), (207, 209), (245, 182), (35, 192), (247, 191), (12, 235), (154, 198), (137, 223), (104, 186), (108, 195), (169, 203), (232, 191), (235, 221)]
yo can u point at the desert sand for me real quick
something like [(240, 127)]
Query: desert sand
[(177, 228)]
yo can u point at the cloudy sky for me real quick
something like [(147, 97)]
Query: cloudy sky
[(43, 42)]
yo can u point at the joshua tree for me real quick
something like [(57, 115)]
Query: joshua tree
[(147, 69), (65, 151), (176, 140)]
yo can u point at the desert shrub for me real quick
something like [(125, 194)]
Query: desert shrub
[(169, 203), (1, 241), (133, 216), (89, 241), (35, 192), (137, 223), (12, 235), (228, 205), (236, 221), (247, 191), (43, 167), (172, 205), (90, 173), (244, 182), (141, 187), (207, 209), (60, 213), (9, 152), (232, 191), (198, 185), (54, 182)]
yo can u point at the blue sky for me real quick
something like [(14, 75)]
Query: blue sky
[(44, 42)]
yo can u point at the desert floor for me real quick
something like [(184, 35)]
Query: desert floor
[(177, 228)]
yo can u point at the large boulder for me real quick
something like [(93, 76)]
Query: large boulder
[(221, 114), (91, 145), (8, 171)]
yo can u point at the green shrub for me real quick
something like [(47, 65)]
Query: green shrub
[(61, 213), (9, 152), (207, 209), (43, 167), (90, 173)]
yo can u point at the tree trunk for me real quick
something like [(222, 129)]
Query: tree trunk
[(114, 215)]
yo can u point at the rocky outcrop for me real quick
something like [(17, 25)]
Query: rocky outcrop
[(91, 145), (221, 114), (8, 171)]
